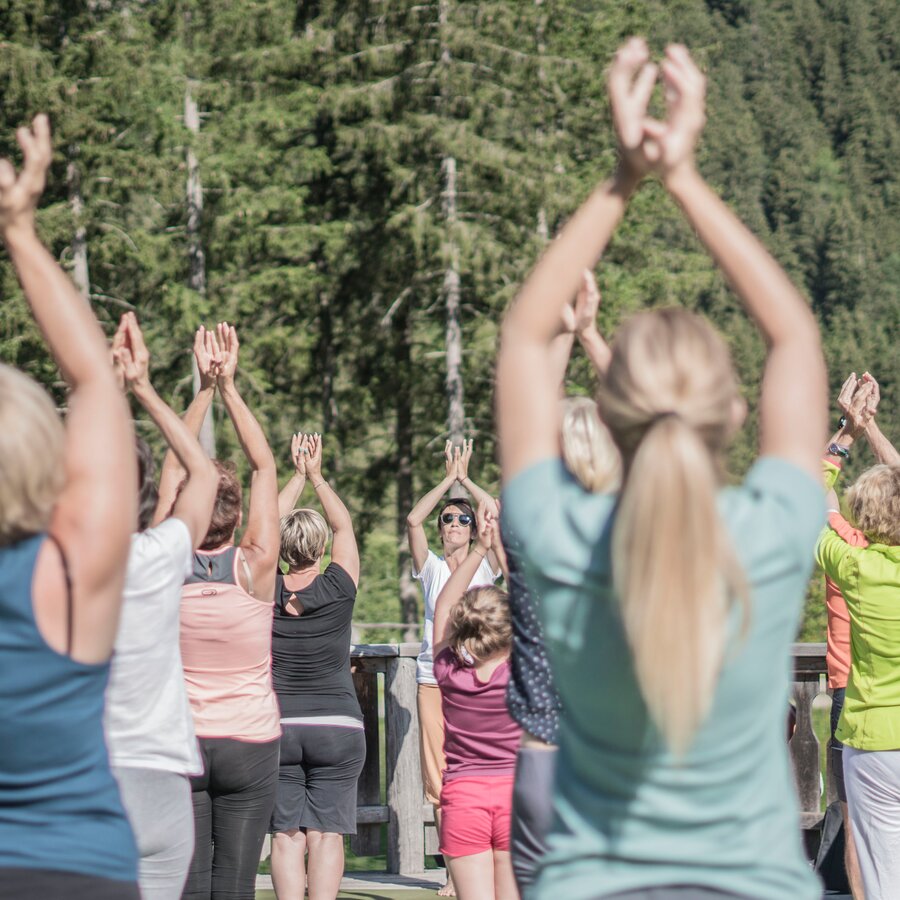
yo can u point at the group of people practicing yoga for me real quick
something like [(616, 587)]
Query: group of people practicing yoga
[(610, 725)]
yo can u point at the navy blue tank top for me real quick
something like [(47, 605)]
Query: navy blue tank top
[(59, 804)]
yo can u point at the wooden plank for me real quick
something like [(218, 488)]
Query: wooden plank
[(406, 840), (367, 840), (377, 814), (372, 664), (432, 841), (410, 648), (362, 650)]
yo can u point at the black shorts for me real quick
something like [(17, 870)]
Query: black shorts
[(46, 884), (317, 775), (835, 747)]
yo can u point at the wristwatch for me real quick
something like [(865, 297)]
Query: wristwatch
[(838, 450)]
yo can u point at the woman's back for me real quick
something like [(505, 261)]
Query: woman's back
[(59, 805), (311, 652), (629, 813), (226, 651)]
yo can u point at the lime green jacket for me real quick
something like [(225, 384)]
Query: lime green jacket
[(869, 579)]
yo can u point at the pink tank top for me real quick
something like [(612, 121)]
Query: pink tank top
[(226, 649)]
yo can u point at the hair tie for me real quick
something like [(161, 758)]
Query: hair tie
[(664, 414)]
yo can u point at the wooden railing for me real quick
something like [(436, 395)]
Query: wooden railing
[(409, 820)]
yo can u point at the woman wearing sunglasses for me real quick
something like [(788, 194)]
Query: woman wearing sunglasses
[(456, 529)]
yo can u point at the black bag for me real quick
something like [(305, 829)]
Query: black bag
[(830, 858)]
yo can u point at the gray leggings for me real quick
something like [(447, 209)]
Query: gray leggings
[(161, 813)]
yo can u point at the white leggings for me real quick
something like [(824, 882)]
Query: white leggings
[(161, 813), (872, 778)]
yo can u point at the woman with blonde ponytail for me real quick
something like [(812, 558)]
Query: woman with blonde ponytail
[(668, 609)]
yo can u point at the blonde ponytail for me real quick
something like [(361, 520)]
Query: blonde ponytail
[(667, 400)]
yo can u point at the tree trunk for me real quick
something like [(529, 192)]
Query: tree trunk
[(454, 381), (196, 256), (540, 29), (80, 272), (453, 384), (403, 437)]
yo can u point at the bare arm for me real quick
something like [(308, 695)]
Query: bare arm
[(479, 495), (195, 503), (96, 512), (792, 404), (172, 470), (526, 386), (290, 493), (261, 539), (415, 521), (344, 550), (885, 452)]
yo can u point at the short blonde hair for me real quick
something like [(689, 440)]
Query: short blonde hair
[(587, 447), (304, 534), (480, 624), (874, 503), (32, 441)]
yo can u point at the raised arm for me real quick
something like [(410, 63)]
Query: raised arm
[(290, 493), (415, 521), (527, 392), (792, 406), (344, 551), (587, 304), (195, 502), (261, 539), (206, 354), (885, 452), (479, 495), (96, 511), (459, 581)]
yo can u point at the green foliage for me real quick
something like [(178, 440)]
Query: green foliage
[(324, 129)]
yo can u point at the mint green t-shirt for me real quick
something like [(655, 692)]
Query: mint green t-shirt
[(627, 814)]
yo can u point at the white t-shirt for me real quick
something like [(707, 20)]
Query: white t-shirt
[(148, 718), (434, 575)]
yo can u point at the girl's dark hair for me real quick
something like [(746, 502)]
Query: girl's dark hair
[(464, 507), (148, 493)]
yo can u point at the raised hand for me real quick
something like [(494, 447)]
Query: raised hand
[(207, 356), (451, 460), (874, 397), (227, 341), (463, 456), (131, 354), (631, 80), (861, 409), (299, 453), (19, 195), (587, 304), (848, 388), (669, 146), (314, 457), (486, 524)]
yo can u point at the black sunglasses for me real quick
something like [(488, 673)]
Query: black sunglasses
[(464, 518)]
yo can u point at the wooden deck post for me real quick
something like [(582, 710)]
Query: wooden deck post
[(406, 841)]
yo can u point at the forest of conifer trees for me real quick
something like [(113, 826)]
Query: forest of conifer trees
[(360, 186)]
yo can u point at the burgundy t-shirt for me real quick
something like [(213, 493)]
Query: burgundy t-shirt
[(480, 736)]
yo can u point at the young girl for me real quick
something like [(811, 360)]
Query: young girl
[(472, 642)]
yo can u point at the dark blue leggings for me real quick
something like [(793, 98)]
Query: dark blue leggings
[(233, 801)]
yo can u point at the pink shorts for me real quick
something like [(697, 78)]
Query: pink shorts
[(475, 814)]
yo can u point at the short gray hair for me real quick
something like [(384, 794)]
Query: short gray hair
[(304, 534)]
